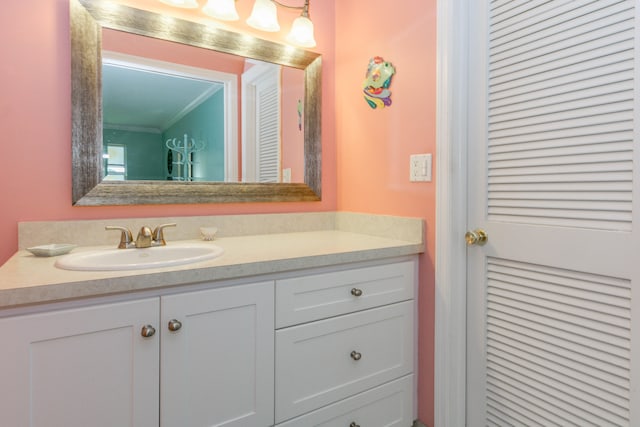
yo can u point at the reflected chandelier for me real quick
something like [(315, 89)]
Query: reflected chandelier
[(264, 17)]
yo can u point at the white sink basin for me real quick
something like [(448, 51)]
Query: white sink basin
[(135, 259)]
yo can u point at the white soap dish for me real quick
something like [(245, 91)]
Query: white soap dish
[(52, 249), (208, 233)]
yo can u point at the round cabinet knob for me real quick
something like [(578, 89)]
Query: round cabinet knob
[(356, 292), (174, 325), (353, 424), (355, 355), (476, 237), (148, 331)]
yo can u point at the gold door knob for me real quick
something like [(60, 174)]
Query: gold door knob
[(476, 237), (356, 292), (356, 355)]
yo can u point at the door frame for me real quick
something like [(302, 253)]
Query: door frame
[(451, 213)]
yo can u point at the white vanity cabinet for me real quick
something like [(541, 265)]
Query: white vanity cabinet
[(119, 364), (333, 346), (345, 347)]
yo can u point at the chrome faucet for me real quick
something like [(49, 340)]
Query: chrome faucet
[(145, 239)]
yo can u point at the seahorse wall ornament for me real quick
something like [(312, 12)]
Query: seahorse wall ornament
[(376, 85)]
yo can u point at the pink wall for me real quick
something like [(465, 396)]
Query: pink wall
[(35, 117), (374, 145)]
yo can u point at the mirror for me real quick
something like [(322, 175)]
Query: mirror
[(88, 19)]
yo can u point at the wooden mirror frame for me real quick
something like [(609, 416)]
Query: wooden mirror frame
[(88, 17)]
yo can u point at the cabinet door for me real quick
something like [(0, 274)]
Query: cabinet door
[(80, 367), (217, 368)]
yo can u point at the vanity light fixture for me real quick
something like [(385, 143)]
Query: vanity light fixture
[(264, 17)]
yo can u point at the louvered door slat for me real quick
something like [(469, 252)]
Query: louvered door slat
[(552, 89), (584, 299), (588, 144), (581, 167), (567, 345), (558, 197), (537, 360), (557, 58), (544, 330), (576, 155), (541, 110), (558, 384), (566, 402), (551, 52), (558, 136), (553, 315), (566, 355), (565, 116), (573, 281), (538, 130), (519, 411), (539, 28), (536, 401), (536, 11)]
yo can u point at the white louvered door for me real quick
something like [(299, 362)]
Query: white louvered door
[(261, 117), (552, 318), (268, 131)]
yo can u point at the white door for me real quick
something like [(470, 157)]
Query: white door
[(552, 318), (217, 357), (81, 367)]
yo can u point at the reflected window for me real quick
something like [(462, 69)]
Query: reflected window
[(115, 168)]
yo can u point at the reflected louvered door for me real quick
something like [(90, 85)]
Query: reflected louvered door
[(268, 131), (552, 317)]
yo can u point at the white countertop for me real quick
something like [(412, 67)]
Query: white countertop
[(26, 279)]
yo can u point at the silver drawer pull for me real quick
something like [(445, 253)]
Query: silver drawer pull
[(174, 325), (353, 424), (356, 292), (355, 355), (148, 331)]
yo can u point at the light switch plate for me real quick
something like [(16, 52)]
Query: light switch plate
[(420, 167)]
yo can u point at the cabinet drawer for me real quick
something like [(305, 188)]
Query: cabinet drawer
[(325, 361), (388, 405), (313, 297)]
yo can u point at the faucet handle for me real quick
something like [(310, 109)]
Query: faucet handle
[(126, 239), (158, 233)]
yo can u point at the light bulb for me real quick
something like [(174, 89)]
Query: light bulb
[(264, 16), (301, 33), (224, 10), (187, 4)]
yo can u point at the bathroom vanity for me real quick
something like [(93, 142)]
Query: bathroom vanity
[(292, 329)]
